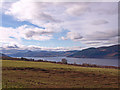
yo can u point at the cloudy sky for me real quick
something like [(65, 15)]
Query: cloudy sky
[(57, 25)]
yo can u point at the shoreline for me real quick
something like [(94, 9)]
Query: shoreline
[(81, 65)]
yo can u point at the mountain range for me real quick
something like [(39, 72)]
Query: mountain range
[(3, 56), (42, 53), (100, 52)]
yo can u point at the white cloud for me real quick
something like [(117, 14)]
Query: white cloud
[(77, 10), (99, 22), (73, 36), (7, 35), (37, 48), (89, 23), (14, 35), (31, 11)]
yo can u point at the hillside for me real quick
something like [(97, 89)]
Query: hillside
[(101, 52), (42, 53), (3, 56), (24, 74)]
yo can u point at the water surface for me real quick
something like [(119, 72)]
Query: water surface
[(70, 60)]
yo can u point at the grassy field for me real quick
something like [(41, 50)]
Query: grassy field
[(28, 74)]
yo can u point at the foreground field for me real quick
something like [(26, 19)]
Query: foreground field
[(28, 74)]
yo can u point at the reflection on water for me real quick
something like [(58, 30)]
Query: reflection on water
[(104, 62)]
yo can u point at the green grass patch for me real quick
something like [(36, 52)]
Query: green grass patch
[(29, 74)]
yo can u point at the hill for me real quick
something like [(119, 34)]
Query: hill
[(42, 53), (5, 57), (24, 74), (101, 52)]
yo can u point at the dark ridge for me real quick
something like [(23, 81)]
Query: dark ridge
[(101, 52)]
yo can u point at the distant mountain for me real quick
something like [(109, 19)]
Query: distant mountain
[(101, 52), (3, 56), (42, 54), (12, 51)]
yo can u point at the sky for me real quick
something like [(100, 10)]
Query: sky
[(26, 24)]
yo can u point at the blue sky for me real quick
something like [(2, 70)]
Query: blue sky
[(63, 26), (10, 21)]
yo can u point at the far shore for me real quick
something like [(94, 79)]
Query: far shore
[(82, 65)]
